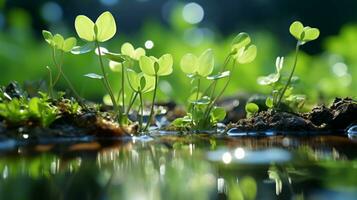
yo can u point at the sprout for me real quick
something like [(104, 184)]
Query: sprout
[(273, 78), (303, 34), (242, 51), (156, 67), (128, 49), (202, 66)]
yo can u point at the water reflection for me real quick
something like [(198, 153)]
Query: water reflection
[(185, 167)]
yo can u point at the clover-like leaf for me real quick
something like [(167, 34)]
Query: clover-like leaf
[(83, 49), (149, 83), (205, 63), (47, 36), (94, 76), (85, 28), (147, 65), (140, 82), (247, 55), (133, 79), (310, 34), (128, 49), (69, 43), (296, 29), (106, 27), (165, 65), (240, 41), (219, 76), (188, 63), (58, 41)]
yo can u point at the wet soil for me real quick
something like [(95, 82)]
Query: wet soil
[(339, 116)]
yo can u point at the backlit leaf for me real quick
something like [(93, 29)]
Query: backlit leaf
[(165, 65), (248, 55), (311, 34), (69, 43), (106, 27), (188, 63), (241, 40), (296, 29), (205, 63), (147, 65), (85, 28)]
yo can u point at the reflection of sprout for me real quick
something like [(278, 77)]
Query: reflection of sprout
[(274, 175), (227, 158)]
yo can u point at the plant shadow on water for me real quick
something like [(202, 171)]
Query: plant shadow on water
[(171, 166)]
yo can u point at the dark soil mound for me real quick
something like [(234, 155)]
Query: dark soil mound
[(341, 114)]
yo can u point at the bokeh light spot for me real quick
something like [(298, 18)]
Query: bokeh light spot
[(193, 13), (149, 44), (51, 12)]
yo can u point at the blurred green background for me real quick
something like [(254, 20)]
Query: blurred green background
[(327, 68)]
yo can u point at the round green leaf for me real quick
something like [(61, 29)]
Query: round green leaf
[(147, 65), (269, 102), (127, 49), (219, 113), (133, 79), (241, 40), (69, 43), (296, 29), (310, 34), (106, 27), (205, 63), (58, 41), (165, 63), (84, 28), (188, 63), (149, 83), (248, 55), (251, 108)]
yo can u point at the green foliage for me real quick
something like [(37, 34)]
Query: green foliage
[(303, 34), (58, 42), (20, 111), (251, 109), (202, 66)]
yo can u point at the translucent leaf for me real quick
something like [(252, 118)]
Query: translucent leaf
[(149, 83), (106, 27), (279, 64), (310, 34), (251, 108), (240, 41), (188, 63), (47, 36), (69, 43), (58, 41), (269, 102), (219, 113), (115, 66), (165, 65), (133, 79), (147, 65), (219, 76), (248, 55), (205, 63), (94, 76), (128, 49), (138, 53), (83, 49), (296, 29), (84, 28)]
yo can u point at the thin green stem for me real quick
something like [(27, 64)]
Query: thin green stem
[(106, 81), (142, 111), (225, 63), (132, 101), (123, 86), (57, 66), (50, 89), (291, 74), (153, 103)]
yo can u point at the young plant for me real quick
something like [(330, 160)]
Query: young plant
[(302, 35), (282, 89), (155, 67), (58, 43), (102, 30)]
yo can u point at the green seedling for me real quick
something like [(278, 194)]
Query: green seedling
[(58, 43), (302, 35), (282, 87), (251, 109), (102, 30), (155, 67), (140, 83)]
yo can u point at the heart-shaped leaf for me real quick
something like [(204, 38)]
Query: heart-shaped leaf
[(205, 63), (83, 49), (106, 27), (240, 41), (296, 29), (219, 76), (84, 28), (94, 76), (247, 55), (128, 49), (140, 82), (311, 34), (69, 43), (160, 67), (188, 63)]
